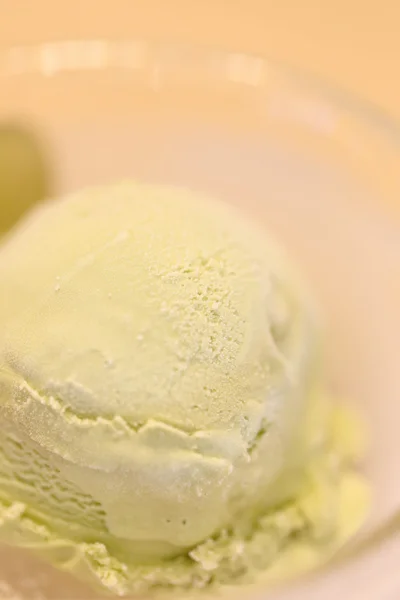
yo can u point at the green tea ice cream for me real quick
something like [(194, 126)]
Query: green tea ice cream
[(23, 173), (162, 420)]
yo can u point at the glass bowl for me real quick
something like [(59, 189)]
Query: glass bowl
[(319, 168)]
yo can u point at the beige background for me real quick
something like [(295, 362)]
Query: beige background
[(353, 43)]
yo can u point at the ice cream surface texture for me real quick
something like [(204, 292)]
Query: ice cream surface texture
[(162, 421)]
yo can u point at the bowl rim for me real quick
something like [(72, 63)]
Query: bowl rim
[(373, 114)]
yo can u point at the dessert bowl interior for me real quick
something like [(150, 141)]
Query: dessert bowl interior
[(318, 169)]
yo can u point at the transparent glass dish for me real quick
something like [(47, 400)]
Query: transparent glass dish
[(320, 169)]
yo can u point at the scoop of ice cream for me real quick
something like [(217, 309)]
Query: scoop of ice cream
[(159, 369), (23, 173)]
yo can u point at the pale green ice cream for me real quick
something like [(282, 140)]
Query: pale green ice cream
[(24, 178), (161, 417)]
